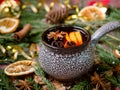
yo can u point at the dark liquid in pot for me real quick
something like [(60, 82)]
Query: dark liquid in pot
[(85, 35)]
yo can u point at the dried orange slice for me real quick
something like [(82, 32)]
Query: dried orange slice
[(19, 68), (91, 13), (116, 53), (8, 25)]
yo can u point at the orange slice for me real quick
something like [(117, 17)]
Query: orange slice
[(8, 25), (79, 38), (116, 53), (91, 13), (67, 37), (19, 68), (73, 37), (76, 37)]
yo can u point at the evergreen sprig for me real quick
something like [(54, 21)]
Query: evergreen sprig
[(5, 83), (83, 85), (107, 57), (39, 71), (114, 14), (115, 80), (36, 86)]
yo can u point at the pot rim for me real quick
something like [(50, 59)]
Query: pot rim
[(65, 26)]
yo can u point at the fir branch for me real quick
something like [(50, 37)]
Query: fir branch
[(36, 86), (4, 61), (6, 37), (5, 83), (114, 14), (40, 72), (113, 37), (115, 80), (84, 85), (109, 43), (101, 68), (107, 57), (49, 84)]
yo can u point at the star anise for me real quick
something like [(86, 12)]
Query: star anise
[(24, 85), (98, 81), (57, 44), (56, 35)]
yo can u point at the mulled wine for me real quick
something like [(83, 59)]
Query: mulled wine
[(65, 37)]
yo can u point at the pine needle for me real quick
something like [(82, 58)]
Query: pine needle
[(5, 83), (84, 85), (115, 80), (107, 57), (40, 72)]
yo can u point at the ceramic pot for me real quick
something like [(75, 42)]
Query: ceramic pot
[(70, 63)]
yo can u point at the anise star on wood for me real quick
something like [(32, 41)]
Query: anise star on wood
[(56, 35), (98, 81), (24, 85)]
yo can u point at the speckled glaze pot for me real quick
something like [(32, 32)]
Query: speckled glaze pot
[(69, 63)]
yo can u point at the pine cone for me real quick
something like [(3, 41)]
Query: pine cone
[(57, 15)]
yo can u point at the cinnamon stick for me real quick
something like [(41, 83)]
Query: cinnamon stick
[(21, 34)]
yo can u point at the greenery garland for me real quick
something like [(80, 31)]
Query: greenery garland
[(107, 59)]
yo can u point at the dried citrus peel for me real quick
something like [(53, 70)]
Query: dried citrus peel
[(19, 68), (8, 25), (116, 53), (91, 13)]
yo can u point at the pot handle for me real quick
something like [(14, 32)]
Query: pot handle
[(110, 26)]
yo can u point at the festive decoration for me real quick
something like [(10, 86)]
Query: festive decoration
[(91, 13), (94, 12), (19, 68), (34, 48), (2, 49), (57, 15), (102, 2), (10, 8), (107, 67), (31, 6), (15, 51), (8, 25)]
